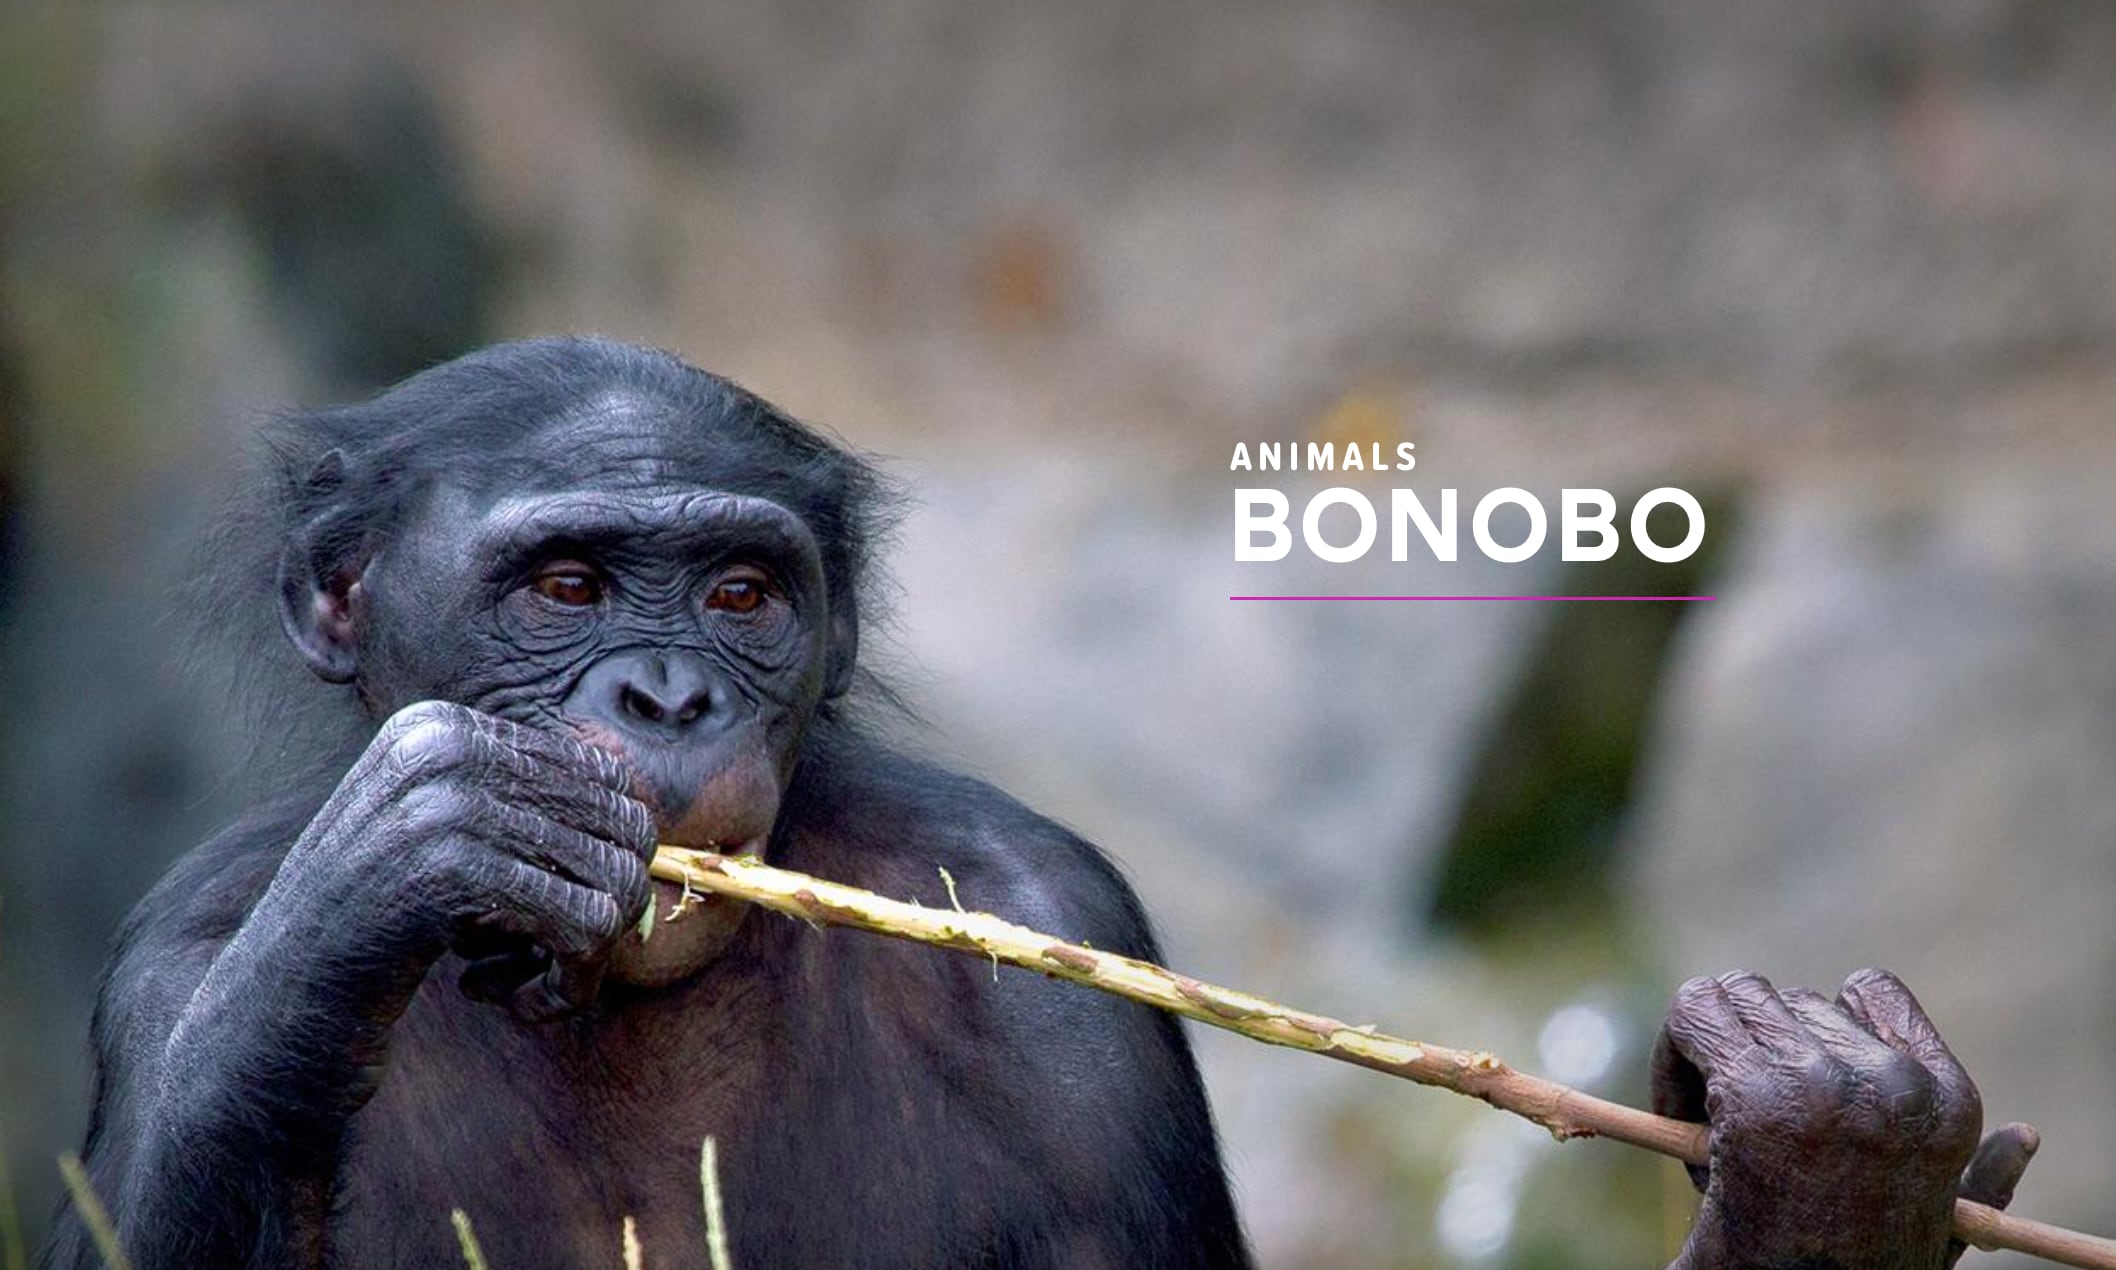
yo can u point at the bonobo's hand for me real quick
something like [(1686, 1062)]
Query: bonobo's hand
[(518, 848), (1840, 1131)]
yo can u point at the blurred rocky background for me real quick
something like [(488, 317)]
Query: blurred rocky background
[(1849, 271)]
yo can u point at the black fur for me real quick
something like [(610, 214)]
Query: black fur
[(875, 1104)]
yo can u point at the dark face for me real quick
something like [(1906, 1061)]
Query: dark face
[(609, 585), (606, 585)]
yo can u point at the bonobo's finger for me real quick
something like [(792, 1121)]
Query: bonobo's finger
[(570, 920), (2000, 1160), (567, 987), (567, 753), (1679, 1093), (1898, 1094), (591, 809), (573, 927), (1704, 1027), (1884, 1006), (1678, 1087), (437, 738), (1677, 1084), (494, 980), (578, 857), (1701, 1039), (1995, 1170), (577, 785), (1838, 1032), (557, 785), (1757, 1004)]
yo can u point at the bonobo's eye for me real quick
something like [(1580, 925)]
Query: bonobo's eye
[(740, 591), (568, 582)]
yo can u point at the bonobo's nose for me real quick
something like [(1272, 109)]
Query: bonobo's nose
[(661, 694)]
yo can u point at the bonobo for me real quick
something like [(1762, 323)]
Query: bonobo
[(581, 598)]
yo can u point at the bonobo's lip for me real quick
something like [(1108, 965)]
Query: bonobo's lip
[(690, 928), (676, 893), (703, 802)]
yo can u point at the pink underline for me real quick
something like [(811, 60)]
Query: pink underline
[(1568, 598)]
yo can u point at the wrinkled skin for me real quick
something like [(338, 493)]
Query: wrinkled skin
[(454, 831), (587, 599), (1842, 1131)]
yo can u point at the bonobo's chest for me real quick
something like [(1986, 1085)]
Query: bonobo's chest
[(830, 1122), (546, 1137)]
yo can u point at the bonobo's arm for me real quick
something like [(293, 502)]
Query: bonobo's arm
[(1842, 1132), (225, 1087)]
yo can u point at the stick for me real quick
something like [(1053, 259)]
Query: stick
[(93, 1215), (467, 1239), (715, 1219), (1565, 1112)]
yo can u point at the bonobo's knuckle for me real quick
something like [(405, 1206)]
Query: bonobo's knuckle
[(429, 746), (1822, 1086), (1879, 990), (1866, 1119), (590, 920), (1904, 1086), (1695, 1003), (1825, 1075), (1968, 1102), (1696, 990), (1963, 1114), (434, 811), (475, 877), (1874, 980), (1735, 978), (422, 714)]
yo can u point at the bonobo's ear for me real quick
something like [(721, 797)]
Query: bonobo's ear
[(844, 649), (317, 593)]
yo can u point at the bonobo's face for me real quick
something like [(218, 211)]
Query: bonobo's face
[(605, 585)]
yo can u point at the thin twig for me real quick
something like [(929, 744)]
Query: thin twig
[(93, 1214), (715, 1218), (1565, 1112), (473, 1256)]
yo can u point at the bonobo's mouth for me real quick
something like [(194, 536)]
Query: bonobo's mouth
[(689, 928), (673, 894), (704, 801)]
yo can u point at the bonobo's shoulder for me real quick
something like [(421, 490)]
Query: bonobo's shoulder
[(891, 821)]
